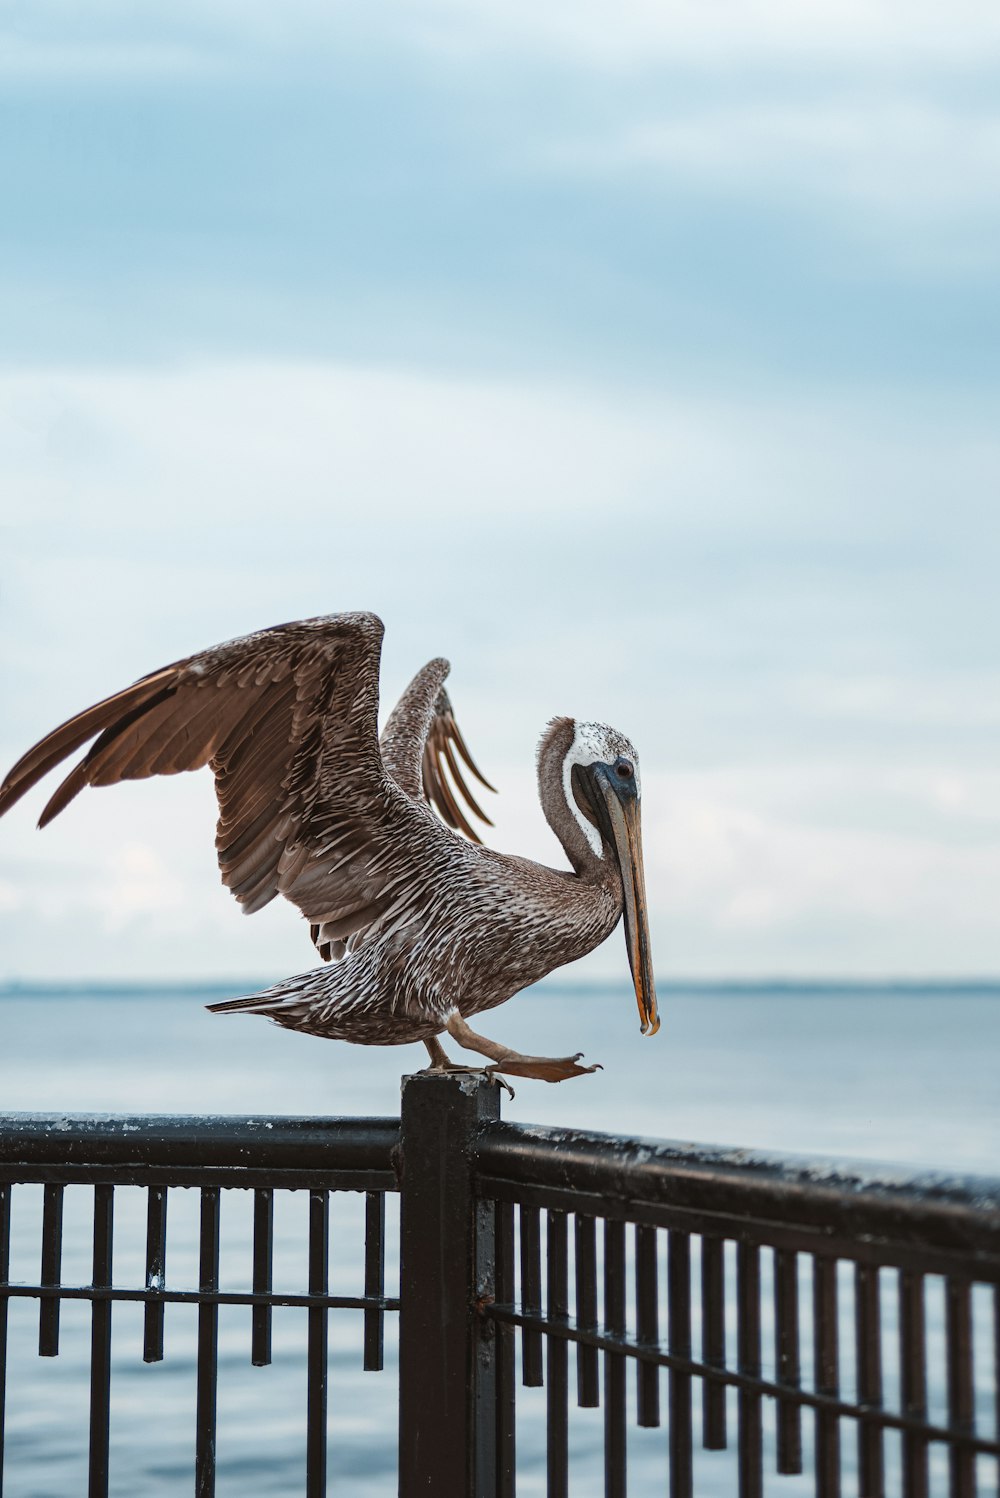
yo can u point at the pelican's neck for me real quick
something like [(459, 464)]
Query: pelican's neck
[(581, 840)]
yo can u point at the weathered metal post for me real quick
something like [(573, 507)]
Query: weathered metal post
[(447, 1373)]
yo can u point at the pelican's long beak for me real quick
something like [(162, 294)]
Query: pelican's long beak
[(623, 813)]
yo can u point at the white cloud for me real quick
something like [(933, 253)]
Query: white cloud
[(313, 448), (656, 536), (136, 882), (866, 34), (876, 118), (319, 440), (122, 61), (846, 870), (640, 33), (10, 896), (962, 699), (878, 156), (125, 883)]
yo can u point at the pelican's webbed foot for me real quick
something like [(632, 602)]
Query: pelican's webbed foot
[(542, 1068)]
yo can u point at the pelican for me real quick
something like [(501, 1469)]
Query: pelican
[(419, 925)]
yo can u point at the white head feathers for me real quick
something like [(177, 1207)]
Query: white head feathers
[(594, 743)]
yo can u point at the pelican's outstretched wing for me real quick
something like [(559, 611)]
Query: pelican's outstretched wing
[(287, 720), (419, 745)]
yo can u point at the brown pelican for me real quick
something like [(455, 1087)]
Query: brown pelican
[(421, 926)]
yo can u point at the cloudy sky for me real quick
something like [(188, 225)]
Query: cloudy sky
[(643, 361)]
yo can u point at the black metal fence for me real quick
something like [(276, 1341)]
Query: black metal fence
[(814, 1329), (218, 1156)]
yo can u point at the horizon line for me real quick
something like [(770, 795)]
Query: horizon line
[(108, 987)]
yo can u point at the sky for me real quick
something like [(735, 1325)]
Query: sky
[(643, 363)]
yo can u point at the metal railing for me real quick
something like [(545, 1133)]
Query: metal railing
[(727, 1230), (217, 1156), (845, 1320)]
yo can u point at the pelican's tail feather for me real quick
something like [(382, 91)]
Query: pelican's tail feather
[(286, 1003), (247, 1005)]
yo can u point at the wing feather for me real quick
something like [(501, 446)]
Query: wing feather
[(418, 747), (308, 805), (207, 724), (439, 763), (69, 736), (274, 714)]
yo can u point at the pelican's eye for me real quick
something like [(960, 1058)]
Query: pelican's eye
[(624, 769)]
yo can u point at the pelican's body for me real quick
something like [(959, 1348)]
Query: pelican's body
[(498, 926), (421, 926)]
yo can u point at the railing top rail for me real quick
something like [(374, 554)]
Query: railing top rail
[(848, 1199), (233, 1141), (853, 1200)]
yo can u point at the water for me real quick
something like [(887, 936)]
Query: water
[(902, 1075), (890, 1074)]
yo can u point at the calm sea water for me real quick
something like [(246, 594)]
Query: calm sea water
[(892, 1074)]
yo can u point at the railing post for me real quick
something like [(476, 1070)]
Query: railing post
[(447, 1374)]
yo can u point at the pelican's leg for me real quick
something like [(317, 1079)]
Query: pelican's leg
[(440, 1062), (544, 1068), (438, 1054)]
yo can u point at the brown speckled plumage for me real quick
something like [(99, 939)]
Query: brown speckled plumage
[(423, 923)]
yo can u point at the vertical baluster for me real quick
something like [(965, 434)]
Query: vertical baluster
[(996, 1357), (319, 1257), (100, 1343), (751, 1457), (868, 1342), (557, 1431), (374, 1278), (614, 1362), (961, 1390), (588, 1394), (263, 1259), (156, 1272), (5, 1193), (531, 1297), (913, 1380), (713, 1342), (504, 1289), (48, 1310), (786, 1358), (679, 1307), (208, 1345), (647, 1325), (827, 1375)]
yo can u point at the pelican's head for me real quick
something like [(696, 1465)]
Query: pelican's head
[(600, 787)]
